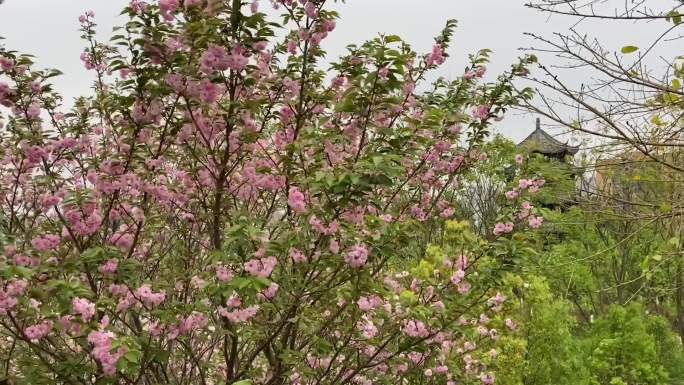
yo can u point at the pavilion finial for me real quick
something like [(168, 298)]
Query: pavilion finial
[(538, 124)]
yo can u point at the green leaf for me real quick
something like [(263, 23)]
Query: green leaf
[(243, 382), (408, 296), (392, 38), (133, 356), (629, 49), (665, 208), (240, 282), (671, 98), (675, 16), (162, 356)]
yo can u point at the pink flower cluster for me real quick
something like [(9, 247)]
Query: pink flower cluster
[(204, 90), (369, 303), (224, 274), (532, 185), (367, 327), (145, 294), (357, 256), (46, 243), (109, 267), (6, 64), (535, 222), (256, 181), (510, 324), (239, 315), (8, 296), (481, 113), (102, 351), (138, 6), (297, 256), (416, 329), (37, 332), (526, 207), (35, 154), (33, 111), (167, 7), (437, 56), (478, 72), (458, 276), (447, 212), (122, 240), (262, 267), (84, 308), (195, 321), (464, 287), (487, 378), (81, 221), (215, 58), (503, 228), (50, 200), (496, 302), (270, 292), (512, 194), (146, 112), (6, 94), (88, 61), (296, 200), (321, 228), (311, 9), (286, 113)]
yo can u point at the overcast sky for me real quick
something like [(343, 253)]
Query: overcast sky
[(48, 29)]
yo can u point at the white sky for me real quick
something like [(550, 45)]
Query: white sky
[(48, 29)]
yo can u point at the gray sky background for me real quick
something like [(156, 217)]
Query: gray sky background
[(48, 29)]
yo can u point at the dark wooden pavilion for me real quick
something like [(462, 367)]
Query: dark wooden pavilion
[(539, 141)]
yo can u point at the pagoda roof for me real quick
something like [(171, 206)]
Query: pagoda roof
[(540, 141)]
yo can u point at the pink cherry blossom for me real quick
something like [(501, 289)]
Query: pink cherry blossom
[(487, 378), (511, 195), (481, 112), (297, 256), (437, 57), (84, 308), (357, 256), (102, 351), (223, 274), (46, 243), (167, 7), (535, 222), (39, 331), (457, 277), (271, 292), (145, 294), (239, 315), (296, 200), (510, 324), (503, 228), (109, 267), (261, 267), (416, 329)]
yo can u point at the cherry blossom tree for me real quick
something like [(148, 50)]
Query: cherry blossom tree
[(224, 210)]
